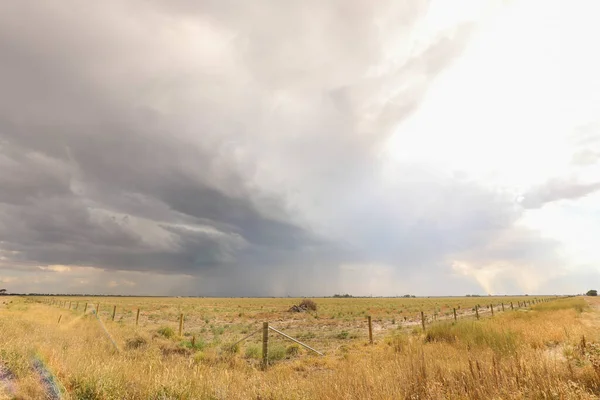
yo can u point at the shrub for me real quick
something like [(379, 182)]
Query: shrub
[(253, 351), (277, 352), (232, 348), (197, 345), (343, 335), (166, 332), (292, 350), (135, 342), (309, 305)]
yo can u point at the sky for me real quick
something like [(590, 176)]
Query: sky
[(299, 148)]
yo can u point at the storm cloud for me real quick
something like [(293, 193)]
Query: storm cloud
[(227, 148)]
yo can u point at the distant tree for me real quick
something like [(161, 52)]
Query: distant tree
[(2, 292), (592, 293)]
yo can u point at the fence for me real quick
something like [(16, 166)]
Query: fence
[(425, 320)]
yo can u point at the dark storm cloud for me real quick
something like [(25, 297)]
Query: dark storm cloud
[(236, 143)]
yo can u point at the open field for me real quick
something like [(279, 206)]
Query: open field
[(546, 350), (228, 319)]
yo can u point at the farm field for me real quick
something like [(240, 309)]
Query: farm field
[(228, 319), (543, 349)]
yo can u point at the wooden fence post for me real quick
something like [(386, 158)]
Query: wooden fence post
[(114, 311), (423, 320), (370, 329), (502, 306), (265, 345), (511, 306), (59, 317), (69, 305), (492, 308), (477, 311), (85, 308), (180, 324), (454, 311), (137, 317)]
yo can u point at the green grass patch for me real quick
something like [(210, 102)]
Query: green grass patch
[(198, 344), (253, 351), (166, 331), (277, 352)]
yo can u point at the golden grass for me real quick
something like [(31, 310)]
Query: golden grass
[(531, 354)]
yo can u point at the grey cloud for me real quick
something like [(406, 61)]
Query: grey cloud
[(234, 143), (556, 190)]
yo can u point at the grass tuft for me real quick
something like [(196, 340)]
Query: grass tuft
[(166, 331)]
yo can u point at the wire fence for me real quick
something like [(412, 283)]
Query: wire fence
[(370, 329)]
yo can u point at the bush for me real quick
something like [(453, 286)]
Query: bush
[(232, 348), (135, 342), (343, 335), (308, 305), (292, 350), (253, 351), (166, 332), (197, 345), (277, 352), (592, 293)]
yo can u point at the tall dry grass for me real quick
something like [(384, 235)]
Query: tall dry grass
[(537, 354)]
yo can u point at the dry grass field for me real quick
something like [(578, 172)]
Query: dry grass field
[(544, 351)]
